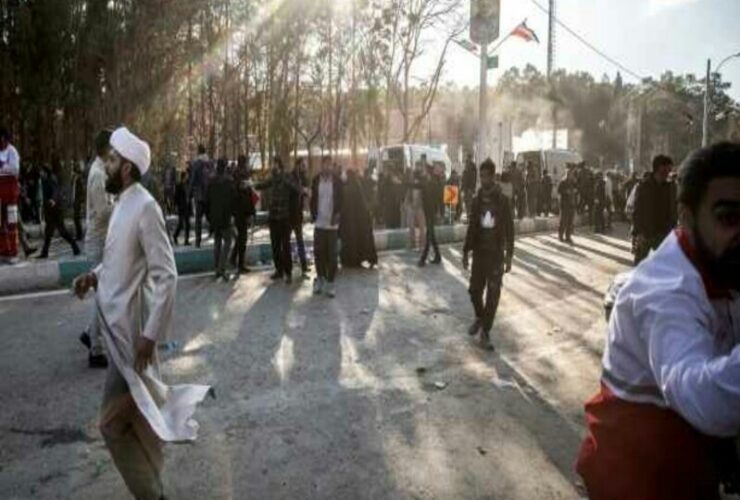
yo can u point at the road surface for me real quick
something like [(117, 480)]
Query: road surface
[(377, 394)]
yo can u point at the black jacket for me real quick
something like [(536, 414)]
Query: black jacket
[(503, 229), (222, 198), (296, 197), (244, 202), (182, 202), (469, 177), (337, 192), (432, 193), (655, 209)]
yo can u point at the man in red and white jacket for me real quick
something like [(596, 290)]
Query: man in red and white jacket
[(670, 389)]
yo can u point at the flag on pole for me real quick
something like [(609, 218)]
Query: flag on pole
[(467, 45), (525, 33)]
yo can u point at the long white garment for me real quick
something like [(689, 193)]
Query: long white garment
[(137, 249), (99, 209), (670, 345)]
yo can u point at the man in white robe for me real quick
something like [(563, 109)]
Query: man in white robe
[(139, 411), (98, 212), (670, 388)]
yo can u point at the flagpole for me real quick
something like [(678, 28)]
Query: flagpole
[(482, 102), (500, 43)]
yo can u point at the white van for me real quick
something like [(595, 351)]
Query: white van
[(555, 161), (405, 157)]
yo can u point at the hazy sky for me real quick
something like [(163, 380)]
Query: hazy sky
[(647, 36)]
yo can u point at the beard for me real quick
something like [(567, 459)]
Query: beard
[(724, 270), (114, 183)]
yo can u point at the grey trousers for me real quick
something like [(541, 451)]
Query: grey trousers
[(135, 448), (221, 248), (94, 251), (325, 253)]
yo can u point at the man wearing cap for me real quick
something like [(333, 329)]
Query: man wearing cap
[(139, 412), (99, 208)]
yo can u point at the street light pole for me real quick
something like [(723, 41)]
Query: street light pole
[(483, 102), (708, 96), (707, 92)]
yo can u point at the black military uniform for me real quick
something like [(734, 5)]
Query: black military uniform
[(490, 237)]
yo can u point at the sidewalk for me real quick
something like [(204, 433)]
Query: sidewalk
[(61, 268)]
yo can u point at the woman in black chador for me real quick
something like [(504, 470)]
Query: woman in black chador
[(355, 226)]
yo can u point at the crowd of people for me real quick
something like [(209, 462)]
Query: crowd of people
[(661, 424)]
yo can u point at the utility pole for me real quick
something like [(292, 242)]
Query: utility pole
[(550, 64), (707, 97), (483, 102)]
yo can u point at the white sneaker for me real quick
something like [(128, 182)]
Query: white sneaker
[(318, 285), (330, 292)]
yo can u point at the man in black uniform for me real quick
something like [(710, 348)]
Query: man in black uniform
[(281, 187), (567, 189), (244, 213), (655, 209), (491, 239), (299, 177), (432, 193), (469, 182)]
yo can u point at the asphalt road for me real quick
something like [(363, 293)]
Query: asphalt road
[(378, 393)]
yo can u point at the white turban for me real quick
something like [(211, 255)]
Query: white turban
[(132, 148)]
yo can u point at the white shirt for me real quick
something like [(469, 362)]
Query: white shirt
[(10, 161), (99, 208), (138, 254), (325, 203), (609, 188), (669, 345)]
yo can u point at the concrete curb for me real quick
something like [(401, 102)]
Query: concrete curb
[(34, 276)]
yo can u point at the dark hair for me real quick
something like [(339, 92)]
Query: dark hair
[(4, 134), (488, 165), (704, 165), (102, 141), (201, 149), (662, 161), (135, 171)]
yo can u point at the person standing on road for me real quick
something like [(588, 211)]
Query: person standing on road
[(456, 181), (326, 208), (245, 201), (139, 412), (655, 209), (299, 178), (469, 183), (545, 198), (533, 189), (78, 198), (281, 189), (664, 422), (183, 207), (414, 205), (54, 210), (567, 190), (99, 207), (432, 194), (198, 189), (520, 191), (490, 237), (222, 205), (356, 226)]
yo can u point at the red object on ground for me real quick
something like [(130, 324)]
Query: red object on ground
[(636, 451), (9, 193)]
